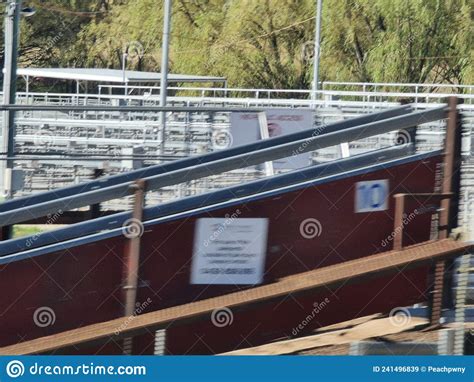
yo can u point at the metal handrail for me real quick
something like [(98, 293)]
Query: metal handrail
[(242, 158), (257, 92), (175, 109), (193, 161), (217, 197), (397, 84), (365, 97)]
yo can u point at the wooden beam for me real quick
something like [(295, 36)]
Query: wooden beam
[(355, 270), (372, 328)]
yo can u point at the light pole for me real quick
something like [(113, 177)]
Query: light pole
[(124, 71), (317, 43), (164, 70), (12, 22)]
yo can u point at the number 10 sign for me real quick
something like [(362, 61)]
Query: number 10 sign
[(371, 196)]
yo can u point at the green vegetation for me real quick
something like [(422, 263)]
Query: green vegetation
[(25, 230), (260, 43)]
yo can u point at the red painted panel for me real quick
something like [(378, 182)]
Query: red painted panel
[(293, 316), (83, 285)]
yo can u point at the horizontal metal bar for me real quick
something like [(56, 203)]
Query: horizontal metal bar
[(256, 93), (222, 165), (131, 109), (66, 157), (393, 84), (425, 195), (254, 188), (103, 235), (279, 91), (193, 161)]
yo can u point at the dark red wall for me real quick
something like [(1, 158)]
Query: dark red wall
[(83, 284)]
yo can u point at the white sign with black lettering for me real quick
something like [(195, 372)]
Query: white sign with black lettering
[(229, 251), (371, 196)]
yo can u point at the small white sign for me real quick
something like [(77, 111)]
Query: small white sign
[(371, 196), (229, 251), (245, 129)]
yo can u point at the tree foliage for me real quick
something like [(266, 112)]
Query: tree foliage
[(414, 41), (260, 43), (48, 38)]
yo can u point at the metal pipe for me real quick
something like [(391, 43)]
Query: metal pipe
[(12, 21), (398, 222), (398, 227), (205, 200), (124, 68), (164, 69), (133, 232), (317, 44), (264, 133), (243, 93), (129, 108), (222, 165), (453, 131), (206, 158)]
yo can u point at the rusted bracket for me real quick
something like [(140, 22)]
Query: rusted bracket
[(133, 230), (398, 225)]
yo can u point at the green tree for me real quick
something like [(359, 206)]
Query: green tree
[(260, 43), (413, 41), (48, 37)]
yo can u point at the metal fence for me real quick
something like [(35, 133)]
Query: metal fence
[(57, 148)]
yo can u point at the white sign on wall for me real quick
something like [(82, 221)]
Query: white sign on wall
[(245, 129), (371, 196), (229, 251)]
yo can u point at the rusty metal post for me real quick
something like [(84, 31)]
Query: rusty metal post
[(453, 131), (133, 231), (398, 222)]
